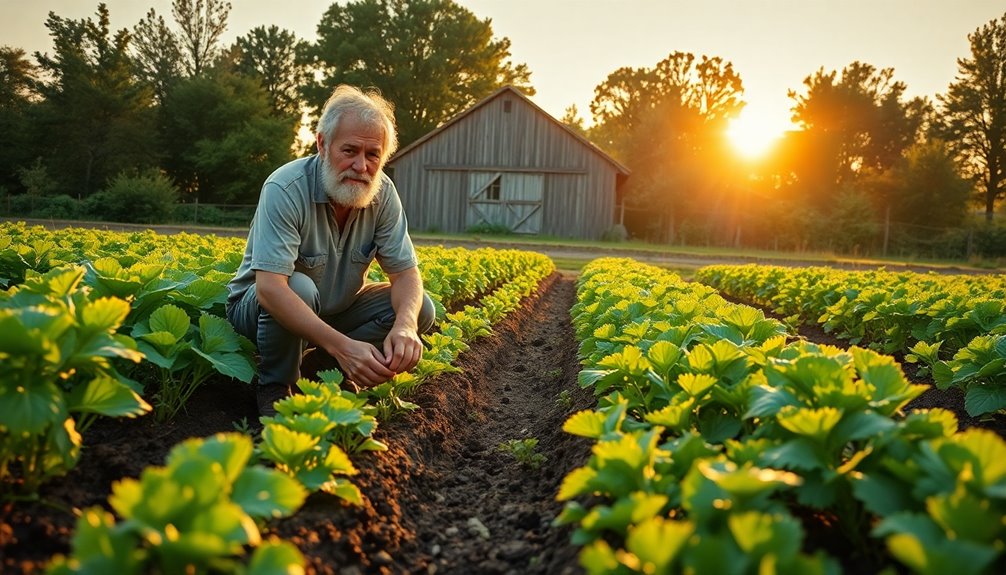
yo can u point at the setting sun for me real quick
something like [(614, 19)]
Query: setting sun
[(752, 134)]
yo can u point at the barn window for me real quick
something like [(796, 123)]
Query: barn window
[(493, 189), (506, 106)]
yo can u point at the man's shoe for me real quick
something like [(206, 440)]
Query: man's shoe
[(267, 395)]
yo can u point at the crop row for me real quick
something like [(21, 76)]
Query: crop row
[(955, 325), (93, 335), (723, 447)]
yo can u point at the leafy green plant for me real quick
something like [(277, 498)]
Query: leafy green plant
[(523, 450), (564, 399), (187, 355), (979, 368), (196, 514), (57, 376)]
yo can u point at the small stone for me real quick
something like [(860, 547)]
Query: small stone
[(439, 497), (515, 550), (476, 527), (352, 570), (435, 550), (382, 558), (451, 531)]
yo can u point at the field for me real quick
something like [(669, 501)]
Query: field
[(587, 366)]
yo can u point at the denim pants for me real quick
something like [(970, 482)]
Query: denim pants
[(368, 319)]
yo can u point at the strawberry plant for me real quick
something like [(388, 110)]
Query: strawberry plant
[(979, 368), (186, 355), (57, 375), (196, 514)]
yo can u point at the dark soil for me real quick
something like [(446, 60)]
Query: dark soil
[(443, 499)]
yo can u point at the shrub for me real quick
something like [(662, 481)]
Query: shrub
[(146, 197), (61, 207)]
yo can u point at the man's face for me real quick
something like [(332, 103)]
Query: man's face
[(351, 161)]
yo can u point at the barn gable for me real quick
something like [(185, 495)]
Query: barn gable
[(506, 162)]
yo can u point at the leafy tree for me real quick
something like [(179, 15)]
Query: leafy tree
[(157, 57), (431, 58), (851, 122), (926, 188), (975, 111), (274, 57), (97, 118), (18, 78), (572, 119), (202, 23), (667, 124), (222, 138)]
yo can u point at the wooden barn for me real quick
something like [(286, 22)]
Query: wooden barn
[(506, 162)]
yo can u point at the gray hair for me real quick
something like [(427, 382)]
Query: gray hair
[(368, 106)]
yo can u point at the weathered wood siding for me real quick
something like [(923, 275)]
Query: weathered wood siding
[(433, 179)]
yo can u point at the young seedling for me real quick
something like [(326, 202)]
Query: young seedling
[(523, 450)]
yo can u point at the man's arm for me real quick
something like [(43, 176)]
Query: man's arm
[(402, 346), (361, 361)]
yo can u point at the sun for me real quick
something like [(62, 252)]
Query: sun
[(752, 135)]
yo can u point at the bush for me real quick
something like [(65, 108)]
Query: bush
[(616, 233), (493, 229), (147, 197), (61, 207)]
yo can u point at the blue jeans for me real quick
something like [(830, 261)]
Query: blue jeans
[(368, 319)]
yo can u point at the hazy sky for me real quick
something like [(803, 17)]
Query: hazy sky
[(572, 45)]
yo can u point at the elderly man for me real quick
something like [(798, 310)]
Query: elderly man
[(319, 224)]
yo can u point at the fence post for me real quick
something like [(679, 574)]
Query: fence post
[(195, 212)]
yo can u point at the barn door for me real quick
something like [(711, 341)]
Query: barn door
[(505, 199)]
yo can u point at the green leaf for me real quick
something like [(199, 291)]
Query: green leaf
[(217, 335), (287, 446), (808, 422), (104, 314), (231, 451), (717, 425), (768, 401), (657, 542), (30, 409), (882, 495), (981, 399), (599, 559), (577, 482), (106, 396), (964, 516), (100, 546), (696, 384), (585, 423), (267, 493), (229, 364), (759, 534), (170, 318), (276, 557)]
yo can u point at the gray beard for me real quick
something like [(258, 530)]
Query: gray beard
[(346, 193)]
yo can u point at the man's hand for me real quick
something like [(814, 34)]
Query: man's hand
[(402, 349), (362, 363)]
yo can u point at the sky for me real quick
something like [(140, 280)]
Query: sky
[(571, 46)]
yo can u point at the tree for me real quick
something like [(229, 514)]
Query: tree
[(927, 188), (851, 122), (975, 111), (97, 119), (431, 58), (667, 125), (202, 23), (571, 119), (157, 57), (274, 57), (222, 138), (18, 79)]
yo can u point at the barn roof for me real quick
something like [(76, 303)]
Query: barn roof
[(512, 90)]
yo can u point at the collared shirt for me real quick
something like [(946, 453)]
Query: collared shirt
[(294, 229)]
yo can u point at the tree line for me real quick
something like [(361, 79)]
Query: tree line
[(863, 155), (133, 119)]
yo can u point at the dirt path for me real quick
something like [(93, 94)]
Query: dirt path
[(489, 513)]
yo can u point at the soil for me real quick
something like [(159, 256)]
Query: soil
[(443, 499)]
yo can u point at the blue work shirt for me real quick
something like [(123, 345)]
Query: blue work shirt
[(294, 229)]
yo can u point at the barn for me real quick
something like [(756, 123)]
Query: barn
[(505, 162)]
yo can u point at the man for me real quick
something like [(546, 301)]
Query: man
[(319, 224)]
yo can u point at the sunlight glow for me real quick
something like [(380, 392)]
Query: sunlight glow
[(753, 134)]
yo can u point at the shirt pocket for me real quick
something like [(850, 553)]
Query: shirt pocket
[(312, 266), (363, 257)]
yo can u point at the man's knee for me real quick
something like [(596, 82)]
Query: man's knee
[(427, 314), (306, 290)]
